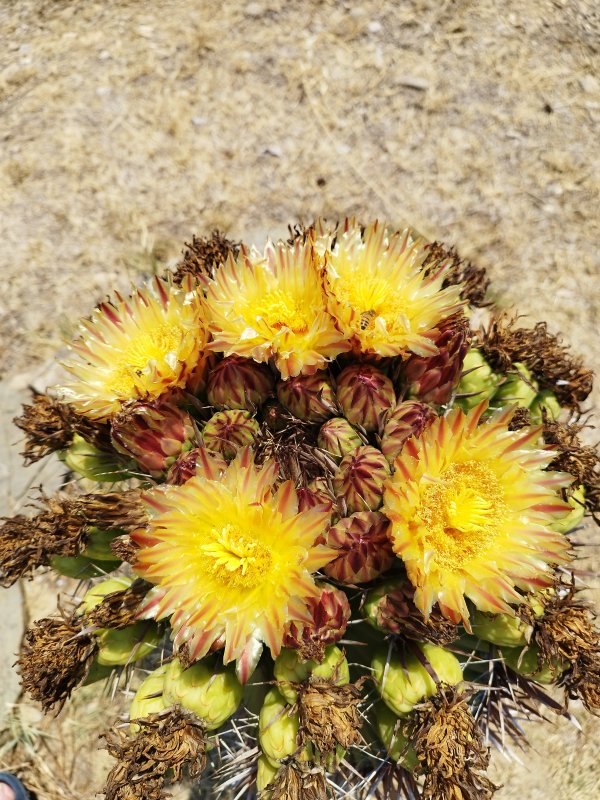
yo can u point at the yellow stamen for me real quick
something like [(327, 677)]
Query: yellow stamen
[(239, 560)]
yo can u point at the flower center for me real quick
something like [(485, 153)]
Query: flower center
[(131, 365), (462, 512), (237, 559), (281, 309)]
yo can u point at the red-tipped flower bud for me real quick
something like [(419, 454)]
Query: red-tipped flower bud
[(364, 546), (153, 433), (365, 394), (338, 437), (227, 431), (330, 614), (433, 379), (360, 477), (407, 419), (238, 382), (186, 466), (308, 397)]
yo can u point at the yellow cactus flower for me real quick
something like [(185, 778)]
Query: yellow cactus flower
[(274, 307), (471, 509), (379, 293), (232, 556), (136, 348)]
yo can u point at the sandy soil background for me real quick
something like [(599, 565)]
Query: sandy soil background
[(128, 126)]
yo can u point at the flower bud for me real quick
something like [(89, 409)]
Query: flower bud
[(365, 394), (127, 644), (212, 696), (317, 493), (360, 477), (574, 517), (278, 728), (478, 382), (186, 465), (290, 668), (433, 379), (365, 551), (94, 596), (330, 614), (395, 742), (403, 681), (338, 437), (501, 629), (518, 388), (527, 663), (153, 433), (227, 431), (238, 382), (308, 397), (407, 419)]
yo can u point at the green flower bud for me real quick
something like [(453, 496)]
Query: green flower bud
[(548, 400), (289, 668), (94, 596), (126, 645), (527, 663), (392, 738), (149, 698), (212, 696), (480, 381), (572, 520), (87, 461), (265, 774), (501, 629), (278, 730), (520, 389), (405, 681)]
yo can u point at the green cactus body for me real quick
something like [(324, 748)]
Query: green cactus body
[(574, 517), (290, 669), (394, 741), (527, 664), (81, 567), (212, 696), (98, 545), (500, 629), (278, 728), (406, 681), (521, 389)]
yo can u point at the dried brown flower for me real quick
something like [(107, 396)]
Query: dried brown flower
[(113, 510), (204, 256), (30, 542), (450, 747), (293, 444), (118, 609), (170, 741), (298, 780), (473, 279), (581, 461), (124, 548), (55, 659), (550, 362), (520, 419), (329, 714), (50, 425), (397, 613)]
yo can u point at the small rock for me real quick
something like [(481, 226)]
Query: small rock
[(589, 84)]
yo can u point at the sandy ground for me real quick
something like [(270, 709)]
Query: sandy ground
[(128, 126)]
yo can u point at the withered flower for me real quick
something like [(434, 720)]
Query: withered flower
[(204, 255), (298, 780), (50, 425), (550, 362), (473, 280), (451, 749), (170, 741), (329, 714), (118, 609), (55, 658)]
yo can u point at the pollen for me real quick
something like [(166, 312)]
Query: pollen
[(238, 559), (131, 371), (281, 310), (462, 511)]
